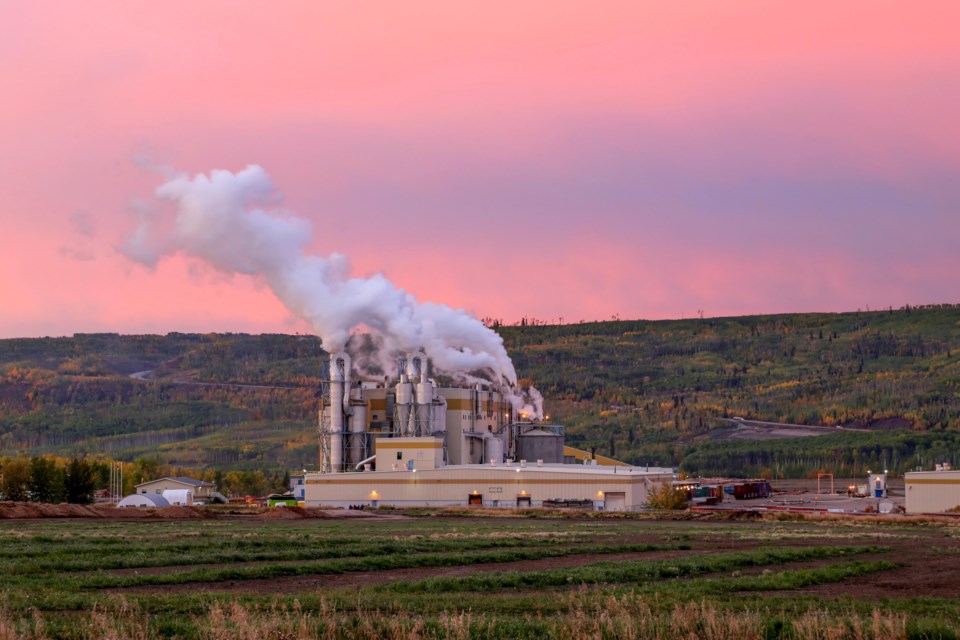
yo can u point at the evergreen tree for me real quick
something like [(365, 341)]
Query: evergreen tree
[(47, 481), (80, 482)]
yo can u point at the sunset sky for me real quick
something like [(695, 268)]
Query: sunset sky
[(574, 160)]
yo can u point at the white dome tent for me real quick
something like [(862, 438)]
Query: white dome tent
[(151, 500)]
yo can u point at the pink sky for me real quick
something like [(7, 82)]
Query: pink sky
[(545, 159)]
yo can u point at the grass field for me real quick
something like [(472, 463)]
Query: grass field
[(484, 577)]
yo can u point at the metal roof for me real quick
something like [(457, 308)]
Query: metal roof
[(193, 482)]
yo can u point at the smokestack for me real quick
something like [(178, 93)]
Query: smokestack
[(339, 409)]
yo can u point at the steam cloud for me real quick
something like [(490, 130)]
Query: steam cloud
[(232, 221)]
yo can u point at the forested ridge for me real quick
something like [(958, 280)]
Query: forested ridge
[(649, 392)]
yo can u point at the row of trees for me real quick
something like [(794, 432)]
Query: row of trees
[(47, 480), (56, 480)]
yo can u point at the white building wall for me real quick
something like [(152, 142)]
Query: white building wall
[(932, 491), (498, 486)]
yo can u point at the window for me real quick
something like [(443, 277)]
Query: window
[(399, 455)]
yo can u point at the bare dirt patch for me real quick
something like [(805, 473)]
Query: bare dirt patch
[(751, 432), (35, 510), (19, 510), (929, 566)]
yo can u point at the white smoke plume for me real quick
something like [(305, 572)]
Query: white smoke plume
[(232, 221)]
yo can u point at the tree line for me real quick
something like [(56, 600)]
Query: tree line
[(42, 479), (77, 480)]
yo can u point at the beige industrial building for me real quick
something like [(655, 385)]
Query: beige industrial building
[(200, 489), (418, 443), (932, 491), (507, 485)]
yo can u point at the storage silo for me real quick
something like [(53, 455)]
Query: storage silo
[(539, 444), (492, 449)]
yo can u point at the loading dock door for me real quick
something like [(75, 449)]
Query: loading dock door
[(475, 499), (614, 501)]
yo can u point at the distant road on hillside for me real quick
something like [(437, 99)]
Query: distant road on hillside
[(148, 375), (762, 423), (742, 429)]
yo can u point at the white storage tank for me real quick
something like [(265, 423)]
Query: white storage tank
[(405, 412), (493, 450), (358, 428)]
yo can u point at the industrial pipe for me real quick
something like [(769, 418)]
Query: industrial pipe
[(363, 462)]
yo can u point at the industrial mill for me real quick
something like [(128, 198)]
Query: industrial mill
[(413, 442)]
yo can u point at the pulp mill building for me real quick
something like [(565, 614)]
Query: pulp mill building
[(414, 442)]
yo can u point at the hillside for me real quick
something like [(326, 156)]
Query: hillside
[(644, 391), (655, 391)]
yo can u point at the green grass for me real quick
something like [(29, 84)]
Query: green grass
[(117, 554), (372, 559), (766, 589), (634, 571)]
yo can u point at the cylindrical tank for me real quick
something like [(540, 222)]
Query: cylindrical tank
[(345, 399), (416, 372), (358, 428), (424, 407), (538, 444), (339, 374), (493, 450), (415, 366), (405, 413), (424, 392)]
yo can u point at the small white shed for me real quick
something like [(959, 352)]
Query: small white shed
[(179, 497)]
